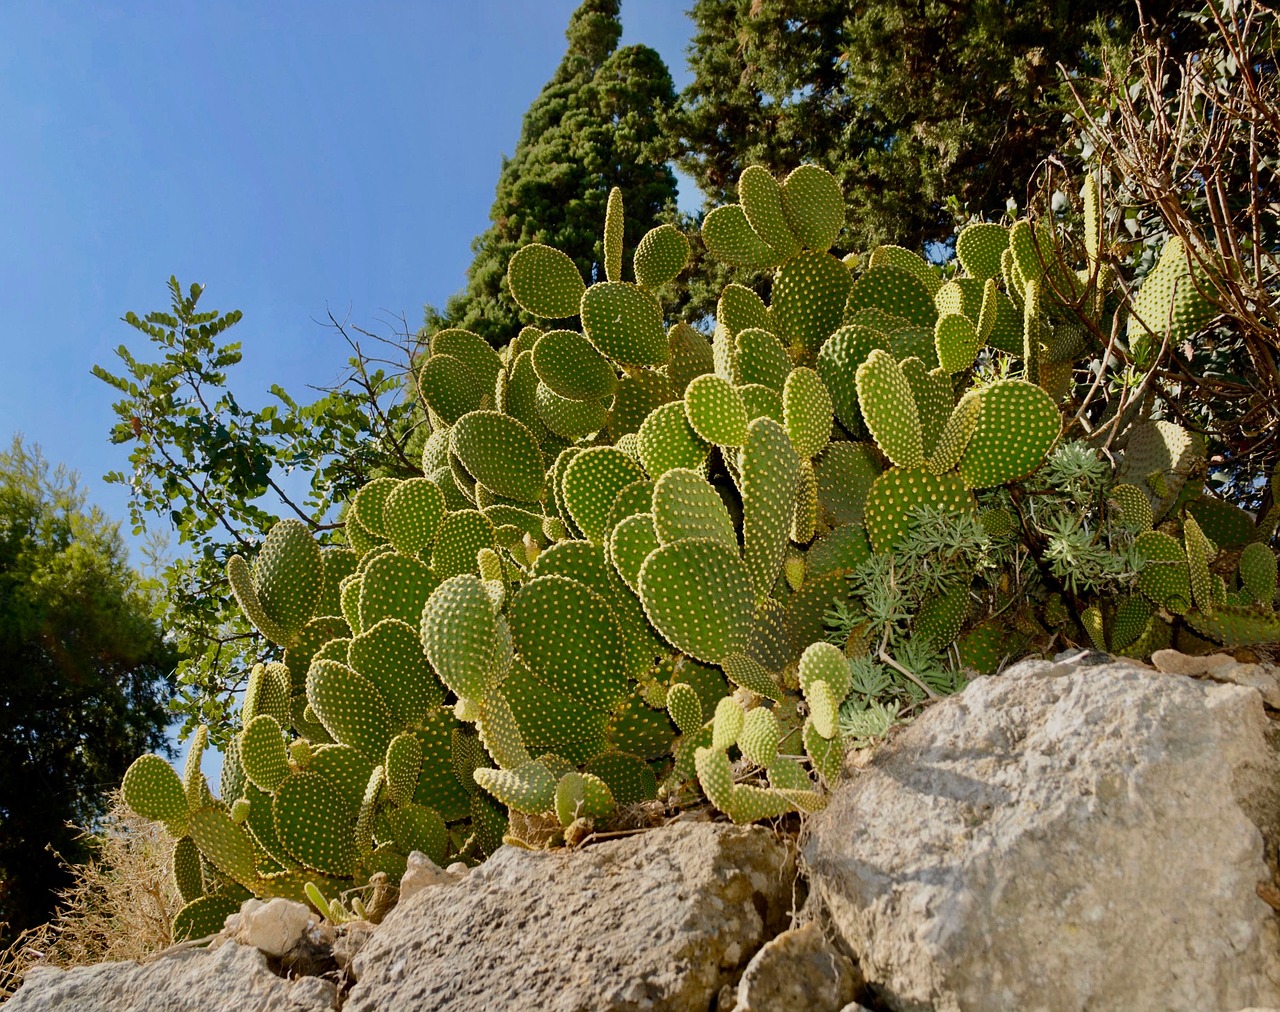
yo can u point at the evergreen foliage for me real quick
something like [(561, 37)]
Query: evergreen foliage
[(597, 124), (907, 104), (86, 678)]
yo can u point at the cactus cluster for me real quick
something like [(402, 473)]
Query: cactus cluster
[(615, 578)]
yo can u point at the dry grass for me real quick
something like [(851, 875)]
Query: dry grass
[(119, 907)]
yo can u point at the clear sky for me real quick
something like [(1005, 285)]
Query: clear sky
[(291, 157)]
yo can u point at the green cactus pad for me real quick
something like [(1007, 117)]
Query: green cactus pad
[(661, 255), (453, 497), (957, 342), (1170, 300), (316, 822), (912, 263), (628, 777), (390, 655), (769, 473), (1258, 572), (268, 692), (351, 587), (545, 282), (500, 732), (403, 764), (1132, 506), (826, 754), (528, 788), (416, 827), (838, 361), (667, 440), (337, 562), (501, 453), (1237, 625), (940, 617), (900, 490), (889, 409), (411, 515), (591, 481), (613, 227), (639, 392), (262, 752), (956, 433), (729, 238), (570, 419), (931, 391), (761, 199), (227, 845), (205, 915), (814, 206), (395, 586), (350, 707), (187, 876), (759, 736), (746, 671), (285, 583), (1227, 526), (630, 544), (459, 633), (840, 550), (450, 388), (549, 719), (1200, 552), (983, 648), (845, 472), (521, 401), (807, 409), (630, 500), (743, 803), (567, 636), (1017, 426), (760, 357), (460, 537), (686, 506), (960, 296), (804, 513), (1130, 622), (1162, 454), (691, 355), (809, 298), (727, 723), (761, 402), (895, 291), (624, 322), (1033, 327), (1164, 576), (739, 309), (979, 248), (570, 365), (1000, 323), (823, 662), (697, 593), (685, 707), (471, 349), (369, 502), (716, 410), (153, 790)]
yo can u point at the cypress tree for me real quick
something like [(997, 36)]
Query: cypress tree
[(907, 102), (595, 125)]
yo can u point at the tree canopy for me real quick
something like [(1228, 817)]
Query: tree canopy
[(87, 675), (598, 123), (907, 103)]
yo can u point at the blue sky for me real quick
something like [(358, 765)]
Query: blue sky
[(294, 158)]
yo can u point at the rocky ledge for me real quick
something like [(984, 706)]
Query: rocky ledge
[(1090, 834)]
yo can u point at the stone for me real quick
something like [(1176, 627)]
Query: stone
[(277, 927), (658, 920), (229, 976), (798, 971), (421, 872), (313, 992), (1223, 668), (348, 943), (1062, 837)]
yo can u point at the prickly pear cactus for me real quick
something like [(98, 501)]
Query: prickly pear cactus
[(642, 564)]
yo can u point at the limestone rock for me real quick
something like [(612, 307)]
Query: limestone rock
[(660, 920), (277, 927), (421, 872), (798, 971), (1062, 837), (195, 980)]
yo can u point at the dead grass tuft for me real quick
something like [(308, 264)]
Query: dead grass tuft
[(119, 907)]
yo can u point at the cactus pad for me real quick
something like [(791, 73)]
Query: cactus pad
[(894, 290), (979, 248), (1017, 426), (1258, 572), (698, 595), (154, 790), (592, 480), (570, 365), (667, 440), (809, 296), (545, 282), (716, 410), (613, 227), (807, 408), (459, 634), (760, 357), (889, 409), (814, 206), (730, 239), (957, 342), (685, 506), (769, 474), (739, 309), (625, 323), (500, 452), (661, 255), (900, 490)]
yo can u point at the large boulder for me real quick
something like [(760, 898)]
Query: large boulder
[(661, 920), (228, 976), (1062, 837)]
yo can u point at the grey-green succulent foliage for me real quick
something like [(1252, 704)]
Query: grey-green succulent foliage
[(642, 564)]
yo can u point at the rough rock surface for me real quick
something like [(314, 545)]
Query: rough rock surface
[(656, 921), (277, 927), (230, 976), (1062, 837), (799, 971)]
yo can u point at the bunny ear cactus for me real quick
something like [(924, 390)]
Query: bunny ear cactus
[(279, 592)]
